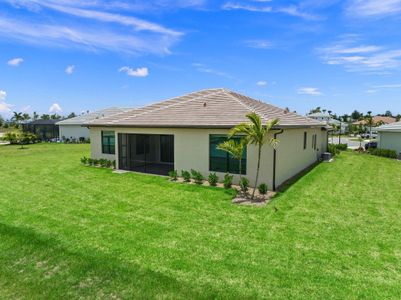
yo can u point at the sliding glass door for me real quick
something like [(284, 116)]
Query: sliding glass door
[(147, 153)]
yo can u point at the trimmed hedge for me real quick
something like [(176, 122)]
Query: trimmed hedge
[(342, 147), (383, 152)]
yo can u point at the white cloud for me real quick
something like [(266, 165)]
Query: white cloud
[(130, 34), (259, 44), (374, 8), (4, 106), (357, 57), (312, 91), (206, 69), (26, 108), (70, 69), (138, 72), (262, 7), (388, 86), (15, 62), (55, 108), (261, 83)]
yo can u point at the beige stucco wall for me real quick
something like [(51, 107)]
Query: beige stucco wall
[(74, 131), (390, 140), (191, 151)]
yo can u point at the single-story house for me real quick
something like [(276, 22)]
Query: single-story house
[(72, 129), (325, 117), (182, 133), (44, 129), (389, 137)]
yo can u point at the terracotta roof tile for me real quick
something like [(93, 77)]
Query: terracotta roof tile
[(212, 108)]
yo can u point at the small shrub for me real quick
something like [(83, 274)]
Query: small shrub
[(262, 188), (383, 153), (197, 176), (84, 160), (342, 147), (186, 175), (173, 175), (244, 184), (109, 163), (95, 162), (333, 150), (228, 181), (90, 161), (103, 162), (113, 164), (213, 179)]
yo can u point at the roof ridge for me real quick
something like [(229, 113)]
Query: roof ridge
[(215, 91)]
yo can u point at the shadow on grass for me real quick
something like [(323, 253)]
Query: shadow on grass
[(41, 266)]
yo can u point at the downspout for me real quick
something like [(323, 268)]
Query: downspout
[(275, 160)]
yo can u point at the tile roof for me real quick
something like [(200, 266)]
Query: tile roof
[(377, 119), (394, 127), (80, 120), (212, 108)]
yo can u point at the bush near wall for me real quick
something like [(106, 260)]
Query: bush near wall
[(383, 152), (342, 147), (333, 150)]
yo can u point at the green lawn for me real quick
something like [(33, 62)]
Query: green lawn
[(70, 231)]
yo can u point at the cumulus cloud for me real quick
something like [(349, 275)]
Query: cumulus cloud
[(261, 83), (138, 72), (55, 108), (70, 69), (312, 91), (15, 62), (4, 106)]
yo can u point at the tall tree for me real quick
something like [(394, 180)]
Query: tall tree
[(356, 115), (369, 120), (388, 114), (26, 117), (35, 116), (71, 115), (256, 134), (17, 117), (45, 117)]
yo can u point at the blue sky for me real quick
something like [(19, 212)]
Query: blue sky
[(69, 55)]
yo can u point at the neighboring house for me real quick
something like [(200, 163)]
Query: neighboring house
[(73, 129), (182, 133), (43, 129), (390, 137), (376, 120), (325, 117)]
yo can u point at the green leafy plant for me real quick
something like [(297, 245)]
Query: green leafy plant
[(383, 153), (228, 181), (213, 179), (84, 160), (197, 176), (262, 188), (186, 175), (235, 149), (255, 133), (96, 162), (173, 175), (244, 184), (342, 147), (333, 150)]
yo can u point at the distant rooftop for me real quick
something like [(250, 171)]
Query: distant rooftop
[(393, 127), (80, 120)]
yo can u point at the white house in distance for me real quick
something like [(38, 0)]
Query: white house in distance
[(389, 137), (182, 133), (73, 129), (325, 117)]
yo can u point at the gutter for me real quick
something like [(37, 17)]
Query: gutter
[(275, 160)]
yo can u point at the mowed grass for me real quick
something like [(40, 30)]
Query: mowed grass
[(70, 231)]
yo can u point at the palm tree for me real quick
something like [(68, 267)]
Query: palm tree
[(18, 117), (236, 150), (370, 122), (256, 134)]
